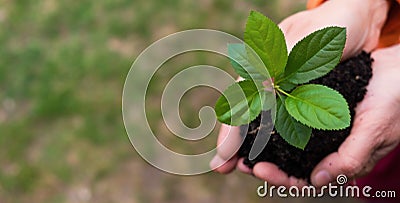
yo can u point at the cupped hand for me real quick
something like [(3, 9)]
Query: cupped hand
[(363, 21), (376, 128)]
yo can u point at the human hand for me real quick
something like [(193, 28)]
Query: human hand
[(363, 20), (362, 33), (376, 127)]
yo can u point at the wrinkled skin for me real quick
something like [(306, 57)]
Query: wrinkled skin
[(376, 129)]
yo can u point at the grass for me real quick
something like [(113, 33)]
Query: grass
[(62, 69)]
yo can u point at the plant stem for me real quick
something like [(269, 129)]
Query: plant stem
[(282, 91)]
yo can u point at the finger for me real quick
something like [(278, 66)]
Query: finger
[(223, 166), (229, 141), (227, 145), (386, 57), (353, 157), (243, 168), (273, 175)]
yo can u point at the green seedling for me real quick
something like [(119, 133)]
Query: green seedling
[(299, 106)]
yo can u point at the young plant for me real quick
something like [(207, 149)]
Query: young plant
[(300, 106)]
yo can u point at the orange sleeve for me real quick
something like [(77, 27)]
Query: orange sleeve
[(314, 3), (390, 34)]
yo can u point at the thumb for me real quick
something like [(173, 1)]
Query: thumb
[(353, 158)]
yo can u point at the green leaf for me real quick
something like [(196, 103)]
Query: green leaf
[(268, 41), (315, 55), (319, 107), (287, 86), (247, 67), (290, 129), (240, 104)]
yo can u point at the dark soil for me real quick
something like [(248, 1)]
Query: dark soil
[(350, 78)]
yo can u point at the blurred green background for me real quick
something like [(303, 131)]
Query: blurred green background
[(62, 69)]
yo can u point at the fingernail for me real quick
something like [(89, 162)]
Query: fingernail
[(322, 178), (216, 162)]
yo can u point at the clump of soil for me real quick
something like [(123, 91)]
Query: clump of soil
[(350, 78)]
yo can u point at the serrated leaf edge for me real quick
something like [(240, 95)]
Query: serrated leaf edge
[(331, 129), (287, 77)]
